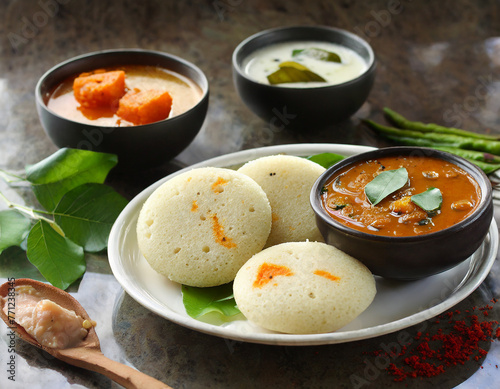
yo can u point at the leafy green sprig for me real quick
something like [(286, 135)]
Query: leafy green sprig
[(78, 213)]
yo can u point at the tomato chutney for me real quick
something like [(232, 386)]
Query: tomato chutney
[(344, 199)]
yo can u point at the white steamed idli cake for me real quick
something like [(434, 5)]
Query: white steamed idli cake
[(303, 288), (287, 181), (201, 226)]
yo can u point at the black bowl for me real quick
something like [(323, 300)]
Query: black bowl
[(303, 108), (144, 145), (408, 258)]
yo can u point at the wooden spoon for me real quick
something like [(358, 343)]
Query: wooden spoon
[(87, 354)]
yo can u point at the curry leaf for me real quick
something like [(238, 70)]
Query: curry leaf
[(430, 200), (385, 183), (66, 169), (57, 258), (326, 159), (200, 301), (290, 72), (14, 227), (293, 64), (319, 54), (87, 213)]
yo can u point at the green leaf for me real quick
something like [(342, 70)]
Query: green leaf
[(326, 159), (13, 228), (87, 213), (385, 183), (430, 200), (14, 263), (290, 72), (202, 301), (319, 54), (57, 258), (293, 64), (66, 169)]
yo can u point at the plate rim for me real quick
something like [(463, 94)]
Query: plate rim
[(469, 283)]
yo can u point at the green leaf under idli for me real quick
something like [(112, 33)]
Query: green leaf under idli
[(326, 159), (217, 299)]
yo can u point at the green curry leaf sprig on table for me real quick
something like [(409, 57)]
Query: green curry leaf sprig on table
[(78, 213)]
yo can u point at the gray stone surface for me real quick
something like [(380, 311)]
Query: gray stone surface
[(437, 62)]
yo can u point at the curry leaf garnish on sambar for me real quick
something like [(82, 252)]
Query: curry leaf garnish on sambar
[(319, 54), (385, 183), (430, 200), (290, 71)]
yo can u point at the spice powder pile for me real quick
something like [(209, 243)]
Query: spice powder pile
[(431, 353)]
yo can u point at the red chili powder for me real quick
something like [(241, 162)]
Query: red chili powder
[(433, 352)]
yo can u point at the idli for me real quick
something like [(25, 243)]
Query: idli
[(201, 226), (287, 181), (303, 288)]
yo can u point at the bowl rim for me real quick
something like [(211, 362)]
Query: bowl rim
[(477, 174), (371, 64), (42, 105)]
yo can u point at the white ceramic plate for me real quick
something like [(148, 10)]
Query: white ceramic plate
[(397, 305)]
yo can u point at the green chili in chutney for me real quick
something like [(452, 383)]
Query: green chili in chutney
[(345, 200)]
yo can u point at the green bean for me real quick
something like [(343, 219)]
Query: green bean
[(431, 139), (408, 141), (483, 161), (487, 168), (476, 157), (471, 154), (401, 122)]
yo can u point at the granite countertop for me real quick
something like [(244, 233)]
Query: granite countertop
[(437, 62)]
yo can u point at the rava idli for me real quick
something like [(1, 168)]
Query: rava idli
[(287, 181), (303, 288), (201, 226)]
